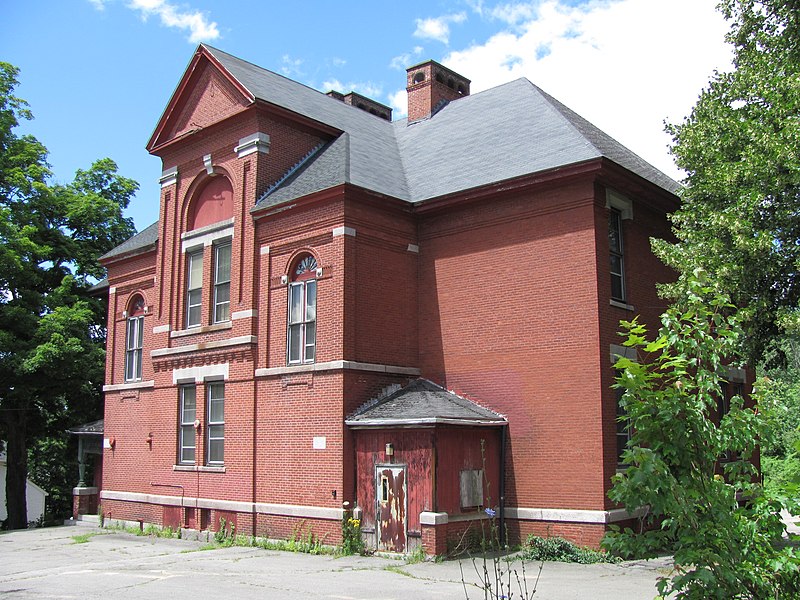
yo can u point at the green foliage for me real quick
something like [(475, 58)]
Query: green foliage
[(780, 474), (84, 538), (52, 331), (561, 550), (721, 526), (739, 218), (351, 534), (226, 534)]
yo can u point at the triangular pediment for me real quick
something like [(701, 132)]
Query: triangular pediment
[(206, 94)]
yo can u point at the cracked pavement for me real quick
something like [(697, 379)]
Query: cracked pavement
[(49, 564)]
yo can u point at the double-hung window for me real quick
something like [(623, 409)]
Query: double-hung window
[(302, 324), (134, 341), (616, 252), (188, 413), (222, 282), (194, 287), (215, 424)]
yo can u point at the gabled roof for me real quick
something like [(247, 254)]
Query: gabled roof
[(507, 132), (373, 154), (422, 402)]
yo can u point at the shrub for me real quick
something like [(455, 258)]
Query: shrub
[(560, 550)]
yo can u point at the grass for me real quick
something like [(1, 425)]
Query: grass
[(84, 538)]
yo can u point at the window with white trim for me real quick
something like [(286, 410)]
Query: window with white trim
[(215, 424), (222, 282), (302, 326), (616, 249), (134, 340), (194, 288), (187, 443)]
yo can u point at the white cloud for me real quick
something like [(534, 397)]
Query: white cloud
[(438, 28), (98, 4), (200, 28), (403, 61), (625, 65), (338, 62), (291, 66), (512, 13), (399, 103)]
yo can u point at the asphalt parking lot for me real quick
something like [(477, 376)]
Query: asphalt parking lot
[(51, 563)]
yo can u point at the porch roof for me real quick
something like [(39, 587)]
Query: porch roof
[(423, 402), (93, 428)]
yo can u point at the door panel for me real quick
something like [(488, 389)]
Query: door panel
[(390, 510)]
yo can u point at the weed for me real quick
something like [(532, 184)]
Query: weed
[(84, 537), (561, 550), (351, 533), (417, 556)]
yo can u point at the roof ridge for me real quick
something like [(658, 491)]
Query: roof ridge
[(567, 115)]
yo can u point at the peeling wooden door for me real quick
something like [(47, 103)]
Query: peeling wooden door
[(390, 510)]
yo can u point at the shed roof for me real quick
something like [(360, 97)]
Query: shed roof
[(423, 402)]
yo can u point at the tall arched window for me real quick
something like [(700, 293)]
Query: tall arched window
[(302, 326), (134, 340)]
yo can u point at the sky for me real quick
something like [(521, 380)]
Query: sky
[(98, 74)]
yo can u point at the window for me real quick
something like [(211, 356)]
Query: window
[(616, 250), (188, 414), (215, 425), (302, 326), (222, 283), (194, 286), (471, 488), (133, 340)]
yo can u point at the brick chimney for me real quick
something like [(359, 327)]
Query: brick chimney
[(430, 86)]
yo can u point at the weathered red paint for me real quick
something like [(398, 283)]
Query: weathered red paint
[(390, 483)]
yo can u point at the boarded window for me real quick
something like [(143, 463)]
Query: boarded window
[(471, 488)]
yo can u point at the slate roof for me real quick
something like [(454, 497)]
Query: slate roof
[(423, 402), (143, 240), (93, 428), (506, 132)]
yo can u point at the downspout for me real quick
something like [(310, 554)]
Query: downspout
[(503, 485)]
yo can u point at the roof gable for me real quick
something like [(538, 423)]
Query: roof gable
[(207, 93)]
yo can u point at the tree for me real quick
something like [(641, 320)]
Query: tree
[(722, 528), (51, 329), (740, 217)]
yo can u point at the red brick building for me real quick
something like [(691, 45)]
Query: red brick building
[(417, 317)]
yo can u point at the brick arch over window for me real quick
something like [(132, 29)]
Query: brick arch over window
[(212, 203), (302, 313)]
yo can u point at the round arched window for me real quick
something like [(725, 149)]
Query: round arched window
[(302, 325), (134, 339)]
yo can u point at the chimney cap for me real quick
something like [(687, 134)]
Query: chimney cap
[(440, 67)]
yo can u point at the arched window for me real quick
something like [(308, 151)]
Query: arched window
[(302, 326), (134, 340)]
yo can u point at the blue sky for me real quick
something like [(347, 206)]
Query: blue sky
[(98, 73)]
